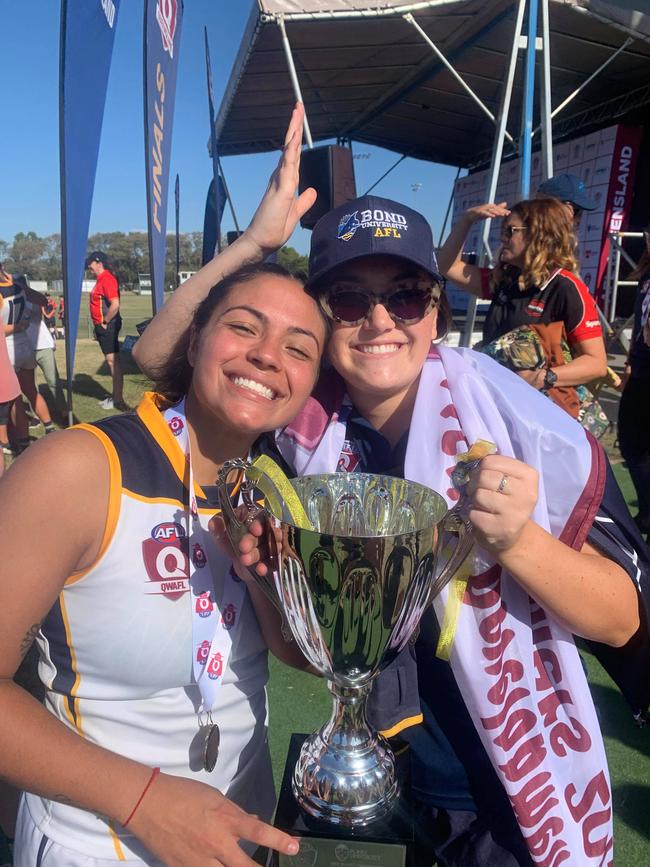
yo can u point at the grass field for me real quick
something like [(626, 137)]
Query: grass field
[(299, 702)]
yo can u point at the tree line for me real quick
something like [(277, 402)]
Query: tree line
[(39, 258)]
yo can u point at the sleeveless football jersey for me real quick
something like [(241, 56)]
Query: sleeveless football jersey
[(14, 307), (116, 648)]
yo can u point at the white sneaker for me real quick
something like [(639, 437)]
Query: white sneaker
[(107, 403)]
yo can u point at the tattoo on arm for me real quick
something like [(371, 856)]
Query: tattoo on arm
[(28, 639)]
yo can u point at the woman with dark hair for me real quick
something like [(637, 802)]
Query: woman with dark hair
[(535, 283), (151, 746), (634, 409), (506, 748)]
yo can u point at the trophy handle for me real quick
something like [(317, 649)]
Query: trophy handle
[(237, 529), (458, 524)]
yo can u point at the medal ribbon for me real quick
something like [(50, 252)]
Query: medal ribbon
[(212, 627)]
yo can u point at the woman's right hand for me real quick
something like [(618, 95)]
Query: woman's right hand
[(488, 211), (280, 211), (189, 824)]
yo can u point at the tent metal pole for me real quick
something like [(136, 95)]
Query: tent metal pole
[(294, 77), (227, 192), (545, 87), (379, 180), (525, 138), (448, 211), (411, 20), (495, 163), (587, 81)]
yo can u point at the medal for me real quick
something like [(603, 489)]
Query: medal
[(211, 741)]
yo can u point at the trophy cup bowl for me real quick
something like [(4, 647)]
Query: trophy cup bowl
[(356, 568)]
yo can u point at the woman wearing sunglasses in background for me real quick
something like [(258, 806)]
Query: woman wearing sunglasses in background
[(507, 721), (535, 283)]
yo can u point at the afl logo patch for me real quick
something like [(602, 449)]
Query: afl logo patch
[(176, 425), (229, 616)]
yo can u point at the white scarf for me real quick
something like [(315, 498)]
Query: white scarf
[(529, 699)]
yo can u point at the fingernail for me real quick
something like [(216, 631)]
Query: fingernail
[(293, 847)]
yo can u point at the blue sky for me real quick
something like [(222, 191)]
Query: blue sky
[(29, 165)]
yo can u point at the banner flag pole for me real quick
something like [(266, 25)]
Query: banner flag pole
[(217, 188), (177, 203), (162, 40), (87, 34)]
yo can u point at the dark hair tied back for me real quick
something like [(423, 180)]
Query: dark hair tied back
[(174, 375)]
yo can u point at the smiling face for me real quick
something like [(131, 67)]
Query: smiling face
[(380, 359), (256, 360)]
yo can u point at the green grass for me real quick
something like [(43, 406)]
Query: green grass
[(301, 703)]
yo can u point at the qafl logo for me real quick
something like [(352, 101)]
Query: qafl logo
[(229, 616), (166, 560), (215, 666), (166, 16), (204, 605), (176, 425), (202, 652)]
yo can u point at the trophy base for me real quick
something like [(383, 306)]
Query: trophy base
[(388, 842)]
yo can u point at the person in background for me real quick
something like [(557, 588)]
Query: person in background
[(19, 299), (49, 315), (9, 387), (534, 283), (571, 191), (61, 315), (634, 409), (43, 345), (105, 314)]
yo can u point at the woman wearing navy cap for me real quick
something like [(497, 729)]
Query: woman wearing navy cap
[(508, 762)]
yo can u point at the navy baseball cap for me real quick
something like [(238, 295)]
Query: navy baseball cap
[(568, 188), (97, 256), (371, 226)]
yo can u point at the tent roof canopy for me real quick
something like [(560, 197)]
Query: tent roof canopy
[(366, 73)]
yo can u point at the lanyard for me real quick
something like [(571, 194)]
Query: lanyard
[(212, 627)]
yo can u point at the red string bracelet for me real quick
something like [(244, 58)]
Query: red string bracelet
[(153, 776)]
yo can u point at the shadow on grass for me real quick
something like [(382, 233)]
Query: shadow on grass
[(632, 806), (89, 387), (616, 720)]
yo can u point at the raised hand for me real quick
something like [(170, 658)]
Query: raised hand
[(280, 210), (189, 824), (490, 210)]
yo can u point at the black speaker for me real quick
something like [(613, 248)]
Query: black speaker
[(330, 171)]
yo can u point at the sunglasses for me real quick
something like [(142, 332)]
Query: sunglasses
[(508, 231), (352, 305)]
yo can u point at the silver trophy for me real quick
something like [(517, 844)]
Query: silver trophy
[(357, 564)]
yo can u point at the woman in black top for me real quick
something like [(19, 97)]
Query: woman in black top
[(534, 283), (634, 411)]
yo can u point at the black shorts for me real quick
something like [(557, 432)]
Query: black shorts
[(108, 337), (5, 411)]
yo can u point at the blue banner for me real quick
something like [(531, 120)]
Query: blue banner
[(216, 189), (214, 204), (162, 42), (87, 35)]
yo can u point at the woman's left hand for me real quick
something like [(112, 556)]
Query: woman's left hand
[(533, 377), (503, 493)]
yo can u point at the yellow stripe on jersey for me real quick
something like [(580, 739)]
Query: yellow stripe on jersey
[(405, 723), (151, 417), (73, 713), (114, 496), (116, 842)]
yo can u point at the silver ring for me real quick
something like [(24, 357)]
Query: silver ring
[(502, 484)]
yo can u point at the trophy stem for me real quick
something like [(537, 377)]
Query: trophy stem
[(346, 773)]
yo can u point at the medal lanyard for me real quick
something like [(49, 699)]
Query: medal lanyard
[(212, 628)]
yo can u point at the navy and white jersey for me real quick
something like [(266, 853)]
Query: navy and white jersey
[(116, 648)]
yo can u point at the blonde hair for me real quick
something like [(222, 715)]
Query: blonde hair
[(551, 240)]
